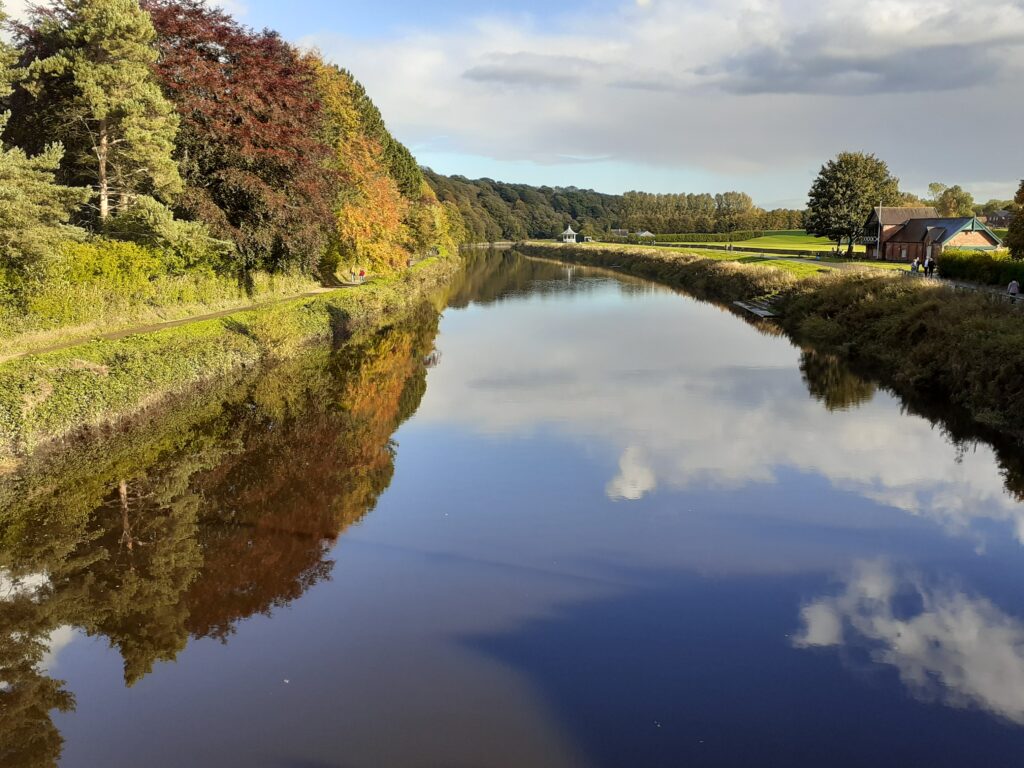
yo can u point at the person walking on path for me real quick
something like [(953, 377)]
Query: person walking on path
[(1014, 289), (915, 265), (929, 267)]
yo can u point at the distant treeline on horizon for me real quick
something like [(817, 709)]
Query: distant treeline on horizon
[(495, 210)]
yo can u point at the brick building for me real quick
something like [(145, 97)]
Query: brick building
[(916, 233)]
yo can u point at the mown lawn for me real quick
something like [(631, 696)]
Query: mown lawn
[(796, 240), (791, 239)]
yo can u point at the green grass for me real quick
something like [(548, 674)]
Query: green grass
[(1001, 233), (796, 240), (791, 239), (49, 396), (796, 268)]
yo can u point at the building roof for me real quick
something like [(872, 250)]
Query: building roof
[(938, 230), (568, 231), (645, 233), (893, 216)]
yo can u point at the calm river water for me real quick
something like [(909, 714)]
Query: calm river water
[(579, 520)]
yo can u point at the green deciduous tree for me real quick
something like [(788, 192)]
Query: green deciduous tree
[(1015, 238), (955, 201), (91, 86), (843, 195)]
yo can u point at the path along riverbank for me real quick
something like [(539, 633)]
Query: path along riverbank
[(921, 338), (49, 396)]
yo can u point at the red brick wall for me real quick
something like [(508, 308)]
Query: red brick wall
[(970, 239)]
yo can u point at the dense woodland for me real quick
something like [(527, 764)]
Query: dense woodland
[(161, 139), (494, 210)]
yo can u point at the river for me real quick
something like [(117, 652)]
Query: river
[(576, 519)]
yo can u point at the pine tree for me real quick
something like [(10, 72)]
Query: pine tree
[(102, 89), (33, 208)]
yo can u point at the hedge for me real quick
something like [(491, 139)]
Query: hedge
[(985, 267)]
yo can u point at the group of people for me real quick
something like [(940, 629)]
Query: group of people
[(928, 267)]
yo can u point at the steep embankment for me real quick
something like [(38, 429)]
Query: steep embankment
[(920, 338), (50, 396)]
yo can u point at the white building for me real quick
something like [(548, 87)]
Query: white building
[(568, 236)]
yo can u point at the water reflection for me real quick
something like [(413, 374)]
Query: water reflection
[(223, 509), (685, 398), (643, 481), (947, 645), (492, 276)]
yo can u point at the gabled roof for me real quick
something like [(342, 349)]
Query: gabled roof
[(893, 216), (938, 230), (568, 231)]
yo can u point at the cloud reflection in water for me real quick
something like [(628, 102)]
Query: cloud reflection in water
[(723, 406), (948, 646)]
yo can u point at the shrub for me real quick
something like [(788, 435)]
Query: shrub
[(182, 245), (985, 267)]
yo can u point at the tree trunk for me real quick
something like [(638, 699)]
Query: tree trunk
[(127, 540), (102, 151)]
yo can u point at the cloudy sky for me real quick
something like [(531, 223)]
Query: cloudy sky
[(685, 95)]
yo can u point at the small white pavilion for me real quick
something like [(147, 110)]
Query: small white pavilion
[(568, 236)]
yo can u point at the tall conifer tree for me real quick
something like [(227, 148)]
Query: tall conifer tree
[(102, 98), (33, 208)]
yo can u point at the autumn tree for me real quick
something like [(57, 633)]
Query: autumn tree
[(1015, 238), (249, 148), (371, 209), (844, 194), (90, 86)]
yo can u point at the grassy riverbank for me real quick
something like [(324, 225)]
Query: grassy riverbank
[(921, 338), (50, 396)]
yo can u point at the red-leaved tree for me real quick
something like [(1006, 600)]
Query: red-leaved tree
[(250, 148)]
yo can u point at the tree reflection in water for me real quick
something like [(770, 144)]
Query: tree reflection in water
[(217, 510)]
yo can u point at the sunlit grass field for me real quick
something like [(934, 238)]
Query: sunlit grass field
[(796, 240), (791, 239)]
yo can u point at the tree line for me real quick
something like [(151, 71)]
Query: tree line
[(494, 210), (208, 145)]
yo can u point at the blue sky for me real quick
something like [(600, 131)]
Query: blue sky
[(383, 18), (684, 95)]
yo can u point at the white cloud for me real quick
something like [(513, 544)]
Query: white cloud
[(956, 648), (731, 87)]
